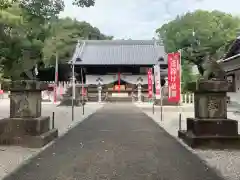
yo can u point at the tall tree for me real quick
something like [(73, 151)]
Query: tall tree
[(84, 3), (64, 36), (199, 33), (22, 33), (31, 32)]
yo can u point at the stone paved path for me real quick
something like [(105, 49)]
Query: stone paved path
[(117, 143)]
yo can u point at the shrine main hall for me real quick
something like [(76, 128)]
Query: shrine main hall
[(118, 66)]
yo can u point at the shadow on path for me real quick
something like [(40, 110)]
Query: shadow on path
[(117, 143)]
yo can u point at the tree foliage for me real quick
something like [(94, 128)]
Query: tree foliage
[(84, 3), (197, 34), (31, 32), (64, 35)]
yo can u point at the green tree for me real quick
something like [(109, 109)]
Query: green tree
[(31, 32), (84, 3), (199, 33), (22, 34), (64, 36)]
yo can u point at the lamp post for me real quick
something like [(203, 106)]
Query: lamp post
[(56, 78)]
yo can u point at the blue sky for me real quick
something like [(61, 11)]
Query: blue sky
[(138, 19)]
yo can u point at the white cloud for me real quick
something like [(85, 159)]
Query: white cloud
[(138, 19), (229, 6)]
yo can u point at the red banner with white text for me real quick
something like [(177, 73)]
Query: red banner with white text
[(150, 90), (174, 79)]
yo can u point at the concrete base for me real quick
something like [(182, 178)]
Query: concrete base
[(209, 142), (210, 133), (26, 132)]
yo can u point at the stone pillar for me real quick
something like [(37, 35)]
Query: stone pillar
[(99, 93), (26, 126), (210, 126), (139, 92)]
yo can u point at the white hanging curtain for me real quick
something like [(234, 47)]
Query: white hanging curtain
[(134, 79), (129, 79), (103, 79), (107, 79)]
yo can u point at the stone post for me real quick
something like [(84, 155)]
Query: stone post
[(26, 126), (99, 93), (139, 92), (210, 126)]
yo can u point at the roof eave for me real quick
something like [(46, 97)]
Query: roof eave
[(229, 59)]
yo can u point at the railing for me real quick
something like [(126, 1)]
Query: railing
[(187, 98)]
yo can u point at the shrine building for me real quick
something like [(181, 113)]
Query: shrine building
[(118, 66), (231, 65)]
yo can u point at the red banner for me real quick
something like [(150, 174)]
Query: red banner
[(119, 79), (174, 77), (84, 91), (150, 90)]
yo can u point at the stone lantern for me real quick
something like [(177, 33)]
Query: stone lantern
[(26, 126), (139, 88), (99, 90)]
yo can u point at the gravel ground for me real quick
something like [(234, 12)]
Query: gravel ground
[(119, 142), (227, 162), (12, 156)]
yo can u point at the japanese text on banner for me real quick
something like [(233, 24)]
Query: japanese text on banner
[(157, 81), (174, 77), (150, 93)]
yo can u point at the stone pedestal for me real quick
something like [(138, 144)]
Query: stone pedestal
[(211, 127), (26, 126), (67, 97)]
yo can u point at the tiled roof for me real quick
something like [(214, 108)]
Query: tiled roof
[(116, 52), (234, 49)]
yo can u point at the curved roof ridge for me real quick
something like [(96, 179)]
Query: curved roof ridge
[(109, 52), (121, 42)]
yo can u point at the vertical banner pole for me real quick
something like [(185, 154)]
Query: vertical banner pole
[(83, 103), (73, 89), (153, 94), (169, 76), (157, 82), (174, 79), (180, 100), (161, 103), (56, 79)]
